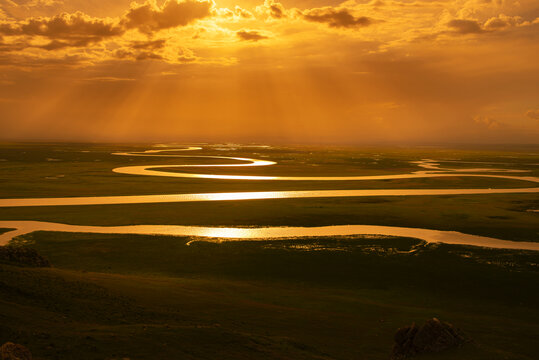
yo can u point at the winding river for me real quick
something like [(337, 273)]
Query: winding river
[(431, 170), (264, 233)]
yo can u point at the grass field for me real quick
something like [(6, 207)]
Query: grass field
[(50, 170), (149, 297), (137, 296)]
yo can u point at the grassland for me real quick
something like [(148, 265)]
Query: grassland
[(51, 170), (140, 297), (148, 297)]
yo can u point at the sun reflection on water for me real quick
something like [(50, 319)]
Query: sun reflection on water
[(229, 233)]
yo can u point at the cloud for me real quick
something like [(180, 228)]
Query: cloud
[(186, 56), (155, 50), (465, 27), (3, 14), (250, 35), (6, 48), (272, 9), (237, 14), (133, 54), (533, 114), (56, 44), (77, 29), (148, 55), (503, 21), (148, 45), (496, 23), (26, 8), (149, 17), (245, 14), (337, 18), (34, 61)]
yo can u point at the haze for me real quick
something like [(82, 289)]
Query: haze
[(296, 71)]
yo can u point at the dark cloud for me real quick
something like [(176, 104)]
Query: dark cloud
[(250, 35), (149, 18), (276, 10), (272, 9), (79, 30), (496, 23), (533, 114), (464, 27), (75, 29), (6, 48), (337, 18), (132, 54), (57, 44), (148, 45), (148, 55), (152, 50)]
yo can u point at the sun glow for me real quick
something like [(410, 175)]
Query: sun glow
[(192, 69)]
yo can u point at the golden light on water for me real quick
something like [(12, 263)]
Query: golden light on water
[(264, 233), (232, 233)]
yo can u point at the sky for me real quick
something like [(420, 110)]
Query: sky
[(297, 71)]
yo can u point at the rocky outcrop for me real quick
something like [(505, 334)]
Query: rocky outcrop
[(434, 336), (23, 256), (11, 351)]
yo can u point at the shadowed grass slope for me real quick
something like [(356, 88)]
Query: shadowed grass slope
[(114, 296)]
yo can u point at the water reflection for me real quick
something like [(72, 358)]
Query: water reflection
[(254, 195), (261, 233), (148, 170), (246, 161), (433, 170)]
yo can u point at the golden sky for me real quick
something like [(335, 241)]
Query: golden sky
[(409, 71)]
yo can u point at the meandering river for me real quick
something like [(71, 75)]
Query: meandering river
[(431, 167), (262, 233)]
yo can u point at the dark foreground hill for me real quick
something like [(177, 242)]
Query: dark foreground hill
[(143, 297)]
